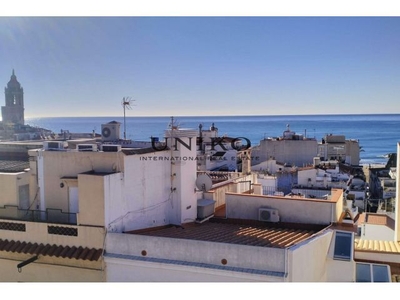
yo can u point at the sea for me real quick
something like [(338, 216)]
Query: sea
[(378, 134)]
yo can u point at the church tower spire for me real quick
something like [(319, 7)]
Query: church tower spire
[(13, 111)]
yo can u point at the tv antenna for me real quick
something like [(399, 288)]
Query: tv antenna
[(174, 124), (126, 104)]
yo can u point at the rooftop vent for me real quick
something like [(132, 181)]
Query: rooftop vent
[(87, 147), (111, 148), (53, 145)]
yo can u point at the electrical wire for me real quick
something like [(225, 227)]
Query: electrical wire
[(141, 210)]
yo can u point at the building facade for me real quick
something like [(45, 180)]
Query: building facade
[(336, 147), (291, 148)]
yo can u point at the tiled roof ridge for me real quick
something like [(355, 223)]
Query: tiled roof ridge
[(13, 166), (377, 246), (85, 253)]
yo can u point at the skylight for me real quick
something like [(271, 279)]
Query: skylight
[(343, 245)]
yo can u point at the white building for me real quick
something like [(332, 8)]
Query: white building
[(260, 238), (216, 153), (291, 148), (270, 166), (79, 195), (336, 147)]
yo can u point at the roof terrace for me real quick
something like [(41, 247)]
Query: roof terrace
[(240, 232)]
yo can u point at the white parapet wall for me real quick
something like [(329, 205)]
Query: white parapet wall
[(140, 257)]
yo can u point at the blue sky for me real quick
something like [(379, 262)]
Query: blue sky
[(84, 66)]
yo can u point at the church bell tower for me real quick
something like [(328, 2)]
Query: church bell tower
[(13, 111)]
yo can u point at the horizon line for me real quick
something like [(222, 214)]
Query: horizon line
[(200, 116)]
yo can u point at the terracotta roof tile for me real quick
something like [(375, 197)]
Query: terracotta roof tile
[(37, 250), (57, 252), (64, 252), (51, 250), (77, 253), (257, 234), (8, 246), (3, 244), (13, 166), (84, 253), (45, 249), (377, 246), (97, 254), (20, 247), (71, 252), (90, 254), (14, 246), (26, 248)]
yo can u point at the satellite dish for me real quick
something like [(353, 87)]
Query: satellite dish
[(204, 182)]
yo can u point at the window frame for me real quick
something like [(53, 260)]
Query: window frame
[(372, 274), (340, 237)]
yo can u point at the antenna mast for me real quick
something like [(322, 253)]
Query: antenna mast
[(126, 104)]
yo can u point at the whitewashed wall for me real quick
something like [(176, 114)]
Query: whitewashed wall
[(308, 260), (240, 256), (291, 210)]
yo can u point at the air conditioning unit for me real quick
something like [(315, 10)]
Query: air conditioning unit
[(111, 148), (110, 131), (268, 215), (53, 145), (87, 147)]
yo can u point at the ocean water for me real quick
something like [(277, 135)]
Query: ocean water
[(378, 134)]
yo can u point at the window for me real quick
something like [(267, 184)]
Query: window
[(372, 273), (343, 245), (380, 273), (363, 272)]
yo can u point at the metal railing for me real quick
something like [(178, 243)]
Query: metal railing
[(11, 212)]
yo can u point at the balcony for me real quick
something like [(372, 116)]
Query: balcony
[(11, 212)]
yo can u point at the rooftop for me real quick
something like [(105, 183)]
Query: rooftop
[(241, 232)]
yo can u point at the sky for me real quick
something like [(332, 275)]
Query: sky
[(186, 65)]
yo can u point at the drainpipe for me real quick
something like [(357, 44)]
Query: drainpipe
[(26, 262), (286, 275)]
